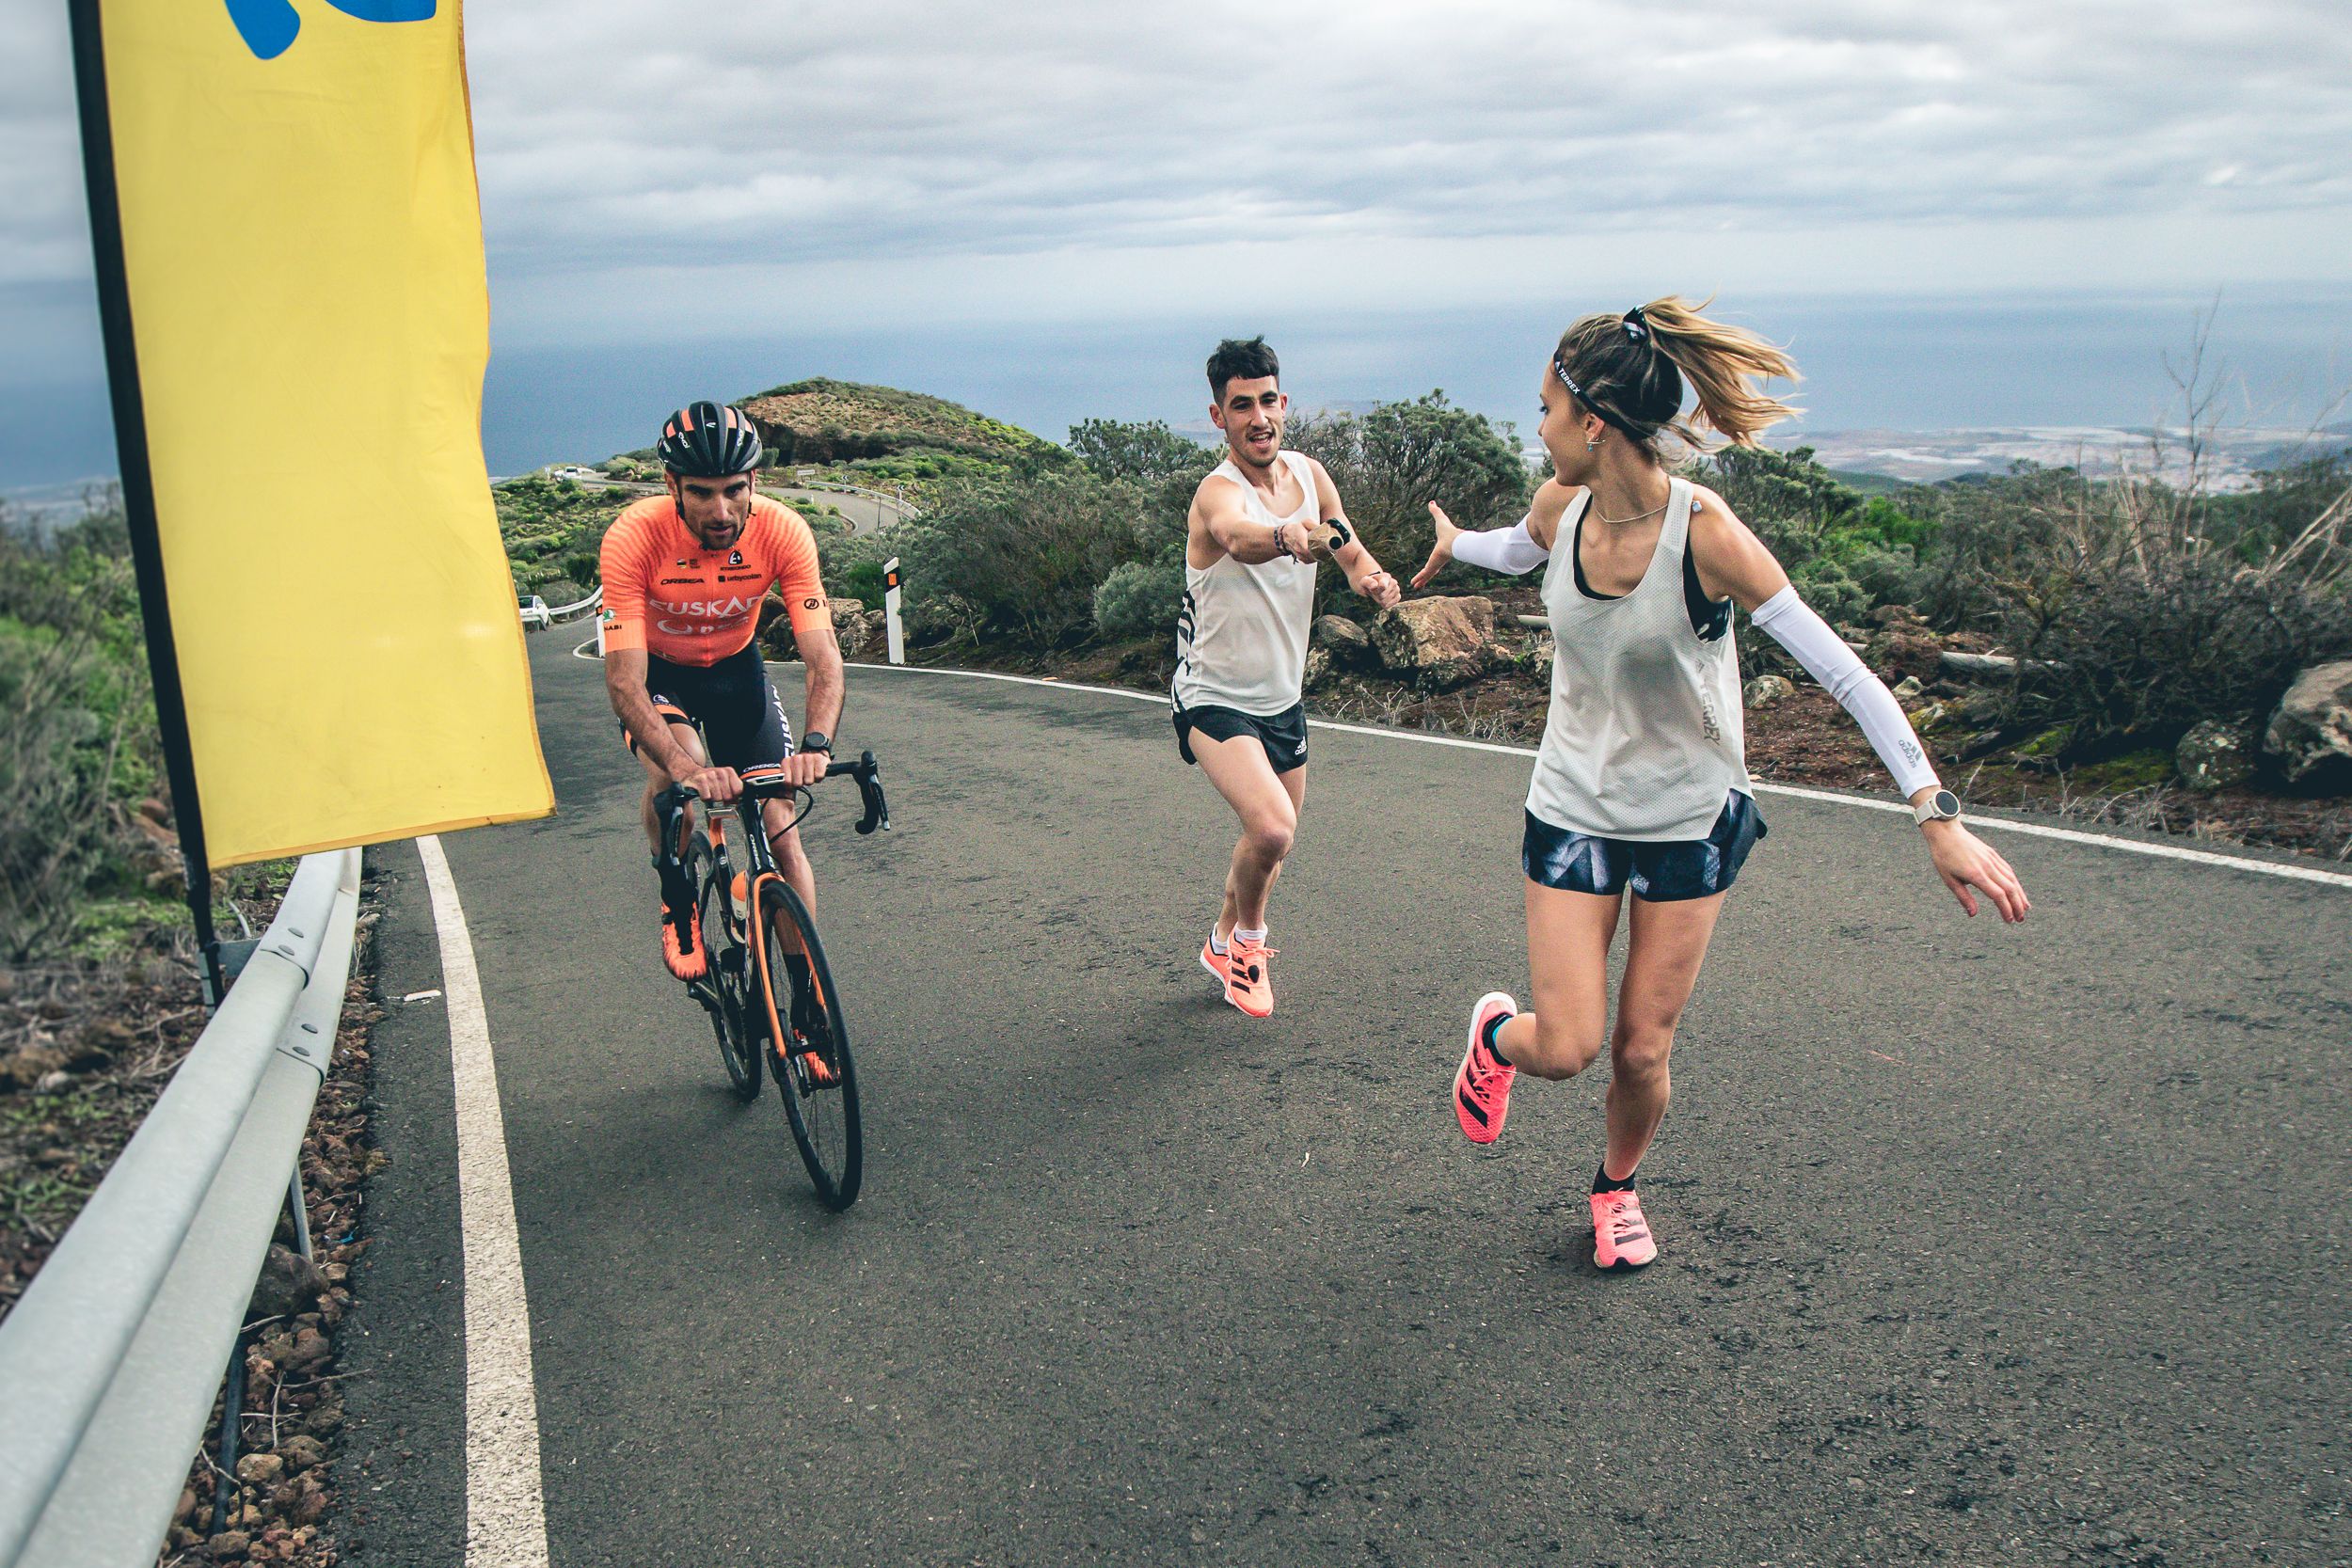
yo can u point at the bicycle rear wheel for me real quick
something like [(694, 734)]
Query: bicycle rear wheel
[(739, 1025), (813, 1070)]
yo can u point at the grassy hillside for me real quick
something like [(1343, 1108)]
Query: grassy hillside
[(854, 434), (885, 432), (551, 529)]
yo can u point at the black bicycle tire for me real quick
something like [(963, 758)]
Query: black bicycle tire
[(836, 1191), (740, 1049)]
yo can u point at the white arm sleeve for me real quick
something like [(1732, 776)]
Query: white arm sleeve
[(1844, 676), (1511, 550)]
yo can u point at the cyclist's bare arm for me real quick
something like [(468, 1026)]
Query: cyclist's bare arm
[(820, 653)]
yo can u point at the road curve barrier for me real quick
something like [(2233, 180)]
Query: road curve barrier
[(565, 611), (114, 1354)]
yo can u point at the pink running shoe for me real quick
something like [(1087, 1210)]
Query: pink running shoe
[(1621, 1238), (1249, 983), (1482, 1085)]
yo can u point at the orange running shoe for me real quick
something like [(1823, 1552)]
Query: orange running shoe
[(1248, 982), (1621, 1238), (1481, 1084), (686, 966)]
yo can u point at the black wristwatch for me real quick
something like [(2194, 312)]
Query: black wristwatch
[(816, 740)]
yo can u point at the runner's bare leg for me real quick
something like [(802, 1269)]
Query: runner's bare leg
[(1267, 805)]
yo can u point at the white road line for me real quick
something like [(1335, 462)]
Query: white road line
[(2006, 824), (506, 1525)]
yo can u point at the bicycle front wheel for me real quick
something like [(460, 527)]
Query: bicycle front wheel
[(811, 1063)]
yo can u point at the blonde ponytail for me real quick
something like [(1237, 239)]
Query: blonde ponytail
[(1629, 369)]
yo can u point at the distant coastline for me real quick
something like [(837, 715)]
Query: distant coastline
[(2230, 457)]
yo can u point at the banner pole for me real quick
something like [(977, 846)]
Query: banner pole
[(138, 480)]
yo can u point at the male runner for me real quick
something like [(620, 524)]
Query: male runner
[(684, 575), (1241, 642)]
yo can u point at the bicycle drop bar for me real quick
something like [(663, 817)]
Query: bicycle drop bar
[(866, 771)]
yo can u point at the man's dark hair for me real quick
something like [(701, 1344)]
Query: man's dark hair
[(1236, 361)]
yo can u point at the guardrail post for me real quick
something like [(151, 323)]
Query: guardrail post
[(890, 610)]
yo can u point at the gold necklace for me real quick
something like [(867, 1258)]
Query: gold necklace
[(1620, 522)]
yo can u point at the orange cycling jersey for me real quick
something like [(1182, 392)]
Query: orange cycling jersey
[(665, 593)]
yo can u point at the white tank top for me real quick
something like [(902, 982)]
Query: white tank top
[(1241, 638), (1644, 738)]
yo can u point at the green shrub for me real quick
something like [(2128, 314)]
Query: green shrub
[(1147, 453), (1018, 558), (1139, 599), (1862, 551), (1831, 590), (865, 581), (1392, 463), (2142, 643), (81, 742)]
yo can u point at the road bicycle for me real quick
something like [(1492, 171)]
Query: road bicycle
[(766, 985)]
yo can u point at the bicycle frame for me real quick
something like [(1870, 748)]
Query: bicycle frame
[(760, 785)]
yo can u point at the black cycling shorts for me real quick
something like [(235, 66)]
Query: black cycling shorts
[(1662, 873), (733, 700), (1283, 736)]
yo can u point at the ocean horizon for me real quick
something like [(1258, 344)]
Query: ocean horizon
[(2281, 359)]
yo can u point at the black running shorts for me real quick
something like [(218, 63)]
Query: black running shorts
[(733, 700), (1662, 873), (1284, 735)]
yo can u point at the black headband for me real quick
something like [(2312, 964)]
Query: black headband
[(1560, 369)]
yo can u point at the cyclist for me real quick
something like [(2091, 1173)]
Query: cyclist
[(1241, 643), (684, 576)]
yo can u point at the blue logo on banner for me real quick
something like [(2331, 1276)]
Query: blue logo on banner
[(268, 26)]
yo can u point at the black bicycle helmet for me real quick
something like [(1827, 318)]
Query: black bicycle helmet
[(708, 440)]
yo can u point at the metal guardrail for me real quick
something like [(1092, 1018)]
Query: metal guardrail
[(112, 1357), (565, 611)]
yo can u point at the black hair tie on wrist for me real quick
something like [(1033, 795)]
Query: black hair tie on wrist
[(1636, 325)]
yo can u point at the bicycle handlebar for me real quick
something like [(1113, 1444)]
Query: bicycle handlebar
[(865, 770)]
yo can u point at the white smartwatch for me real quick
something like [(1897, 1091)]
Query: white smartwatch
[(1942, 806)]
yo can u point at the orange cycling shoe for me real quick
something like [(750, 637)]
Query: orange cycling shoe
[(1243, 971), (686, 966), (1621, 1238), (1481, 1084)]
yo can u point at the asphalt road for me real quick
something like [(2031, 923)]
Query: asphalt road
[(1980, 1245)]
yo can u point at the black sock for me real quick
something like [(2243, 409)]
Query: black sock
[(1604, 1182), (1488, 1036)]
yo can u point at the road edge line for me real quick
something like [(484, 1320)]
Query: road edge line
[(506, 1525), (2006, 824)]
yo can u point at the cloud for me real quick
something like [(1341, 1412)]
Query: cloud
[(905, 129), (961, 155)]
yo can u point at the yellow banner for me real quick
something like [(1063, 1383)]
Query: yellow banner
[(302, 239)]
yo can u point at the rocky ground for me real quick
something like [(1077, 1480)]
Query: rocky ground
[(85, 1049), (1796, 733)]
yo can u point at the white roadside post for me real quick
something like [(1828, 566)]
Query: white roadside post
[(890, 610)]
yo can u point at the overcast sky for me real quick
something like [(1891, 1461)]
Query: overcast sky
[(651, 172)]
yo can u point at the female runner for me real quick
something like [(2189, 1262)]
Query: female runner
[(1641, 784)]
